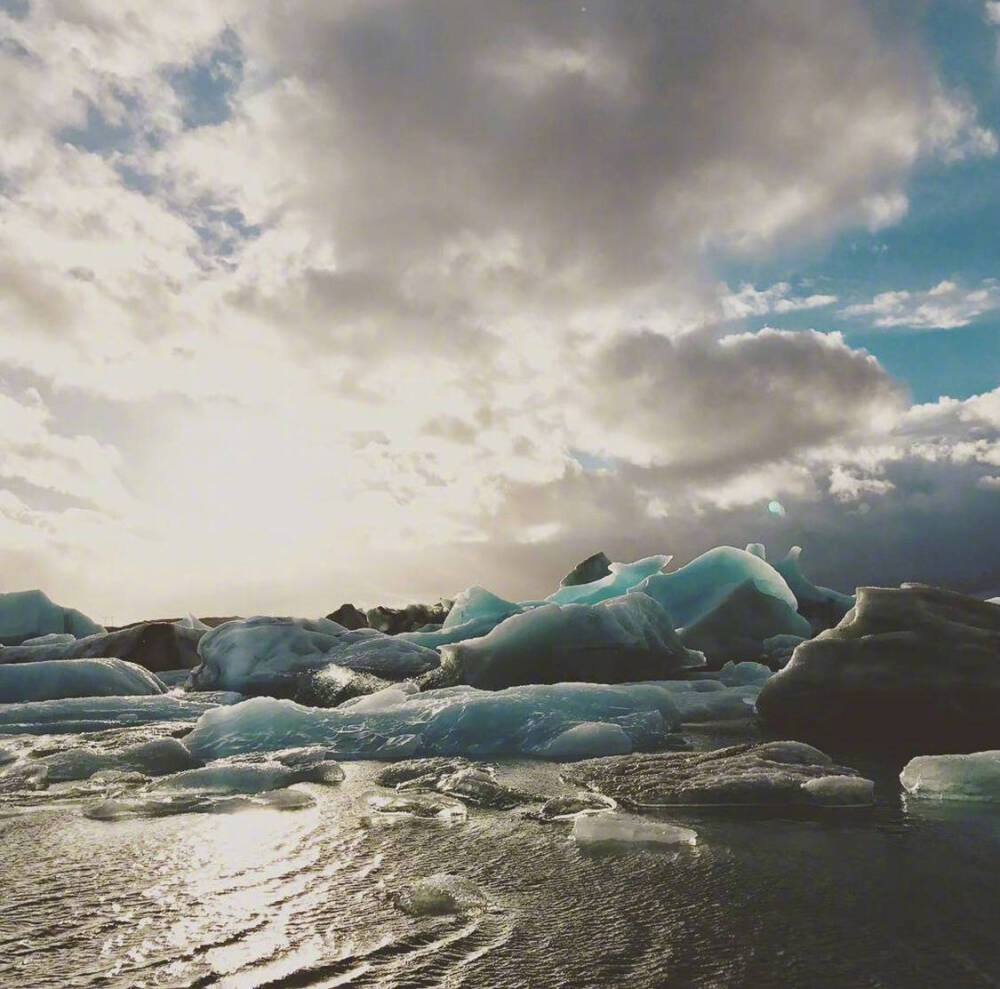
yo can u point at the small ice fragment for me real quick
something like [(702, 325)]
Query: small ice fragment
[(440, 894), (840, 791), (627, 828)]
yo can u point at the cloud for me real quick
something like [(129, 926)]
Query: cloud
[(750, 301), (337, 288), (946, 306), (701, 404)]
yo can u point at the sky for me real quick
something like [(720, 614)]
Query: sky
[(372, 300)]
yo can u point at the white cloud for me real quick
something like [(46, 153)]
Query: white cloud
[(750, 301), (947, 305), (450, 254)]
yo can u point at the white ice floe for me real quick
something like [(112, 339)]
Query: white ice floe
[(601, 829), (954, 777)]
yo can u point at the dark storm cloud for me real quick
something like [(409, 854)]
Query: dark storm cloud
[(714, 407)]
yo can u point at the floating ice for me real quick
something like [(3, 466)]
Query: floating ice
[(154, 758), (743, 674), (83, 714), (773, 774), (569, 807), (52, 639), (700, 586), (841, 791), (726, 602), (240, 778), (821, 604), (623, 576), (910, 666), (195, 802), (625, 638), (592, 738), (397, 806), (452, 721), (440, 894), (55, 680), (476, 612), (266, 655), (600, 829), (30, 614), (954, 777)]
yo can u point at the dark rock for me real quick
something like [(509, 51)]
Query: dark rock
[(155, 645), (912, 668), (412, 618), (593, 568), (350, 617)]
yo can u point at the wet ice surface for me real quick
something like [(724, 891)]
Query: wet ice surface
[(900, 896)]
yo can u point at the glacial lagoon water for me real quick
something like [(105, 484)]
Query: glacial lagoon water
[(902, 895)]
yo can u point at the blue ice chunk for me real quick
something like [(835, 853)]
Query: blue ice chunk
[(82, 714), (623, 576), (805, 591), (451, 721), (57, 679), (701, 585), (30, 614), (624, 638)]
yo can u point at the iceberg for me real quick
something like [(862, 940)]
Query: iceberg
[(954, 777), (267, 655), (56, 680), (822, 606), (909, 667), (85, 714), (622, 578), (726, 603), (450, 721), (476, 612), (781, 774), (601, 829), (30, 614), (624, 638)]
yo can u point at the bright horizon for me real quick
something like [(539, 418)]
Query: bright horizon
[(375, 301)]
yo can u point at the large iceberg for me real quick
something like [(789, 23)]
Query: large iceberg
[(726, 603), (54, 680), (909, 667), (29, 614), (954, 777), (625, 638), (773, 774), (156, 646), (452, 721), (266, 655), (401, 723), (623, 576)]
